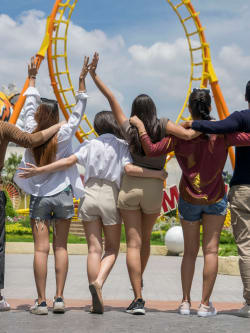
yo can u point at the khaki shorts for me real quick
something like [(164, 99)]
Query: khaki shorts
[(100, 202), (137, 193)]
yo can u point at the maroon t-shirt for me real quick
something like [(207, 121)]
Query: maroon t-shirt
[(201, 160)]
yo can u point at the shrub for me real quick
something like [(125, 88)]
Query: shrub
[(17, 229), (9, 210)]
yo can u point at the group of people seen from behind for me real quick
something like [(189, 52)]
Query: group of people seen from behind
[(124, 182)]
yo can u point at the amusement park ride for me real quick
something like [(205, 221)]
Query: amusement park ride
[(54, 44)]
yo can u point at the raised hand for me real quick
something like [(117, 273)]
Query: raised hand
[(94, 63), (32, 69), (85, 68)]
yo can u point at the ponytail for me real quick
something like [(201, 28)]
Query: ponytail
[(200, 103)]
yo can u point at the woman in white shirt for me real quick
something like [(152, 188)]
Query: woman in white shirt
[(51, 195), (104, 159)]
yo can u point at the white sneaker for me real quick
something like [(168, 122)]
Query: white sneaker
[(184, 308), (4, 305), (58, 305), (244, 311), (206, 311), (39, 309)]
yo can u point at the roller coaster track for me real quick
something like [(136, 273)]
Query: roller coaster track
[(202, 71), (58, 63), (55, 43)]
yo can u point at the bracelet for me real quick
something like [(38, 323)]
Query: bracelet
[(142, 133), (32, 77)]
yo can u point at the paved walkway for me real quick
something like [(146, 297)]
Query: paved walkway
[(162, 293)]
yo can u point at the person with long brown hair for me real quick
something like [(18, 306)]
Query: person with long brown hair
[(11, 133), (51, 194)]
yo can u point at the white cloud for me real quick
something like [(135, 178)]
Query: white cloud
[(161, 69)]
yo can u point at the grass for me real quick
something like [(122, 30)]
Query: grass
[(72, 239), (227, 245)]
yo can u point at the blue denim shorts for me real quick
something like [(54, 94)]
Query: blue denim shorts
[(58, 206), (190, 212)]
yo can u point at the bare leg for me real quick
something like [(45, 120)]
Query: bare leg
[(212, 225), (93, 232), (41, 246), (191, 232), (112, 236), (148, 221), (132, 222), (60, 239)]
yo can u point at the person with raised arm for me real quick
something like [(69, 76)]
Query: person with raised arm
[(202, 194), (10, 133), (139, 199), (51, 199)]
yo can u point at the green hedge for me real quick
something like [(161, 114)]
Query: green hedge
[(9, 210)]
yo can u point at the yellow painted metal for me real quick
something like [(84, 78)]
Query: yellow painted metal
[(59, 68), (207, 72), (45, 44)]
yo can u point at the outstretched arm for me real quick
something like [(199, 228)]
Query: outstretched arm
[(27, 140), (136, 171), (166, 145), (115, 106), (238, 139), (233, 123), (181, 132), (59, 165)]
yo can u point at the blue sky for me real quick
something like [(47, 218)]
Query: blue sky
[(142, 46)]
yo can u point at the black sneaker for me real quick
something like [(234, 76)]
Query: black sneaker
[(137, 307)]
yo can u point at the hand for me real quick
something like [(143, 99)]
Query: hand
[(32, 69), (31, 171), (94, 63), (135, 121), (85, 69), (187, 124), (163, 174)]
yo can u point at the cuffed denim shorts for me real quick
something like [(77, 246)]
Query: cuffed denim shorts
[(58, 206), (190, 212)]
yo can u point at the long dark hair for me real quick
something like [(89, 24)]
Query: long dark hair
[(200, 103), (47, 114), (144, 108), (247, 94), (105, 122)]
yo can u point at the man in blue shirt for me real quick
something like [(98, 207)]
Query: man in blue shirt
[(239, 195)]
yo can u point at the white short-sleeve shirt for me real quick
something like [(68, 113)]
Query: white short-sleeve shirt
[(104, 157)]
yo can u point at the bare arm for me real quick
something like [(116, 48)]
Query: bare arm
[(136, 171), (115, 106), (171, 128), (181, 132), (59, 165)]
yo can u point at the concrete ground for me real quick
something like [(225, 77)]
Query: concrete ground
[(162, 293)]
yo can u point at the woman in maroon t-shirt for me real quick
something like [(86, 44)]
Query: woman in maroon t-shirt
[(202, 194)]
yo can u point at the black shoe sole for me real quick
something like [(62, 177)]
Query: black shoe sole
[(97, 304)]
